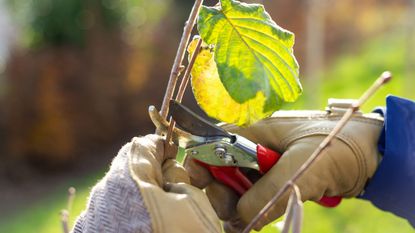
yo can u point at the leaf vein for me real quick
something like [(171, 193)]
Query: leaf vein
[(277, 54), (286, 48), (280, 74)]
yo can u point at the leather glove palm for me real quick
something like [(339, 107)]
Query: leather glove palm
[(173, 204), (343, 169)]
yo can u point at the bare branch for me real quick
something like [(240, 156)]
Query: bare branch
[(189, 68), (179, 57), (71, 197), (294, 212), (298, 211), (384, 78), (183, 86), (64, 221)]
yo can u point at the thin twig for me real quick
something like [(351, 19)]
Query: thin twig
[(189, 68), (294, 212), (289, 214), (183, 85), (64, 220), (298, 213), (71, 197), (66, 212), (179, 57), (384, 78)]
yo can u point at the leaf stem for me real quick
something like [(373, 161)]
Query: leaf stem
[(384, 78), (174, 74)]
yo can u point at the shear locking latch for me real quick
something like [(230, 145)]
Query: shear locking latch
[(340, 106)]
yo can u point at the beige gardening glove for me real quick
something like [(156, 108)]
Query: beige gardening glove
[(147, 191), (173, 204), (343, 169)]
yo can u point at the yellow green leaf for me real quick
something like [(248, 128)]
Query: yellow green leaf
[(212, 96), (254, 55)]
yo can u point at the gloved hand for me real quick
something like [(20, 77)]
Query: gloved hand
[(147, 191), (173, 204), (342, 170)]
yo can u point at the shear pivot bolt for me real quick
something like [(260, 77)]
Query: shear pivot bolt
[(220, 152)]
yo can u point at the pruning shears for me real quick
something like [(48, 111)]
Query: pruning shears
[(231, 159)]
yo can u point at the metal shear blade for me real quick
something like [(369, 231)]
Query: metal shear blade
[(216, 146), (194, 124)]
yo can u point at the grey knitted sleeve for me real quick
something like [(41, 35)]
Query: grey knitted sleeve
[(115, 203)]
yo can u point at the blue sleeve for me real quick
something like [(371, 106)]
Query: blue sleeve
[(392, 188)]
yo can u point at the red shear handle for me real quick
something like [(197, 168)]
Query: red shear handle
[(267, 158), (330, 201), (235, 179), (230, 176)]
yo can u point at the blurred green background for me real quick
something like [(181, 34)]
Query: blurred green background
[(76, 78)]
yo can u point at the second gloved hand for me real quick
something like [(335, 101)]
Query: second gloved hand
[(343, 169)]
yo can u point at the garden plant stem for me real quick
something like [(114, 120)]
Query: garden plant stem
[(183, 85), (175, 71)]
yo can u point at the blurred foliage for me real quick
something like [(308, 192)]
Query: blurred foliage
[(351, 74), (64, 99), (62, 22)]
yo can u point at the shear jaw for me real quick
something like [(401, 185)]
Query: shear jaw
[(180, 137)]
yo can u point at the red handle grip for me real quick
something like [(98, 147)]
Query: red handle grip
[(266, 158), (230, 176), (235, 179)]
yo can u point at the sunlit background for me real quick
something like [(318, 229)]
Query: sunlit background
[(77, 77)]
